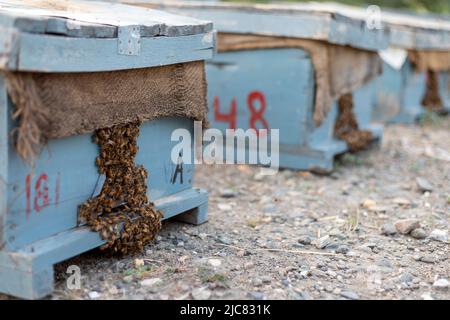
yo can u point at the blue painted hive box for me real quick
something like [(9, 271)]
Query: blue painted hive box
[(416, 66), (78, 68), (286, 67)]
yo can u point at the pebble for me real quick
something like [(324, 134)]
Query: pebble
[(224, 240), (257, 282), (388, 229), (439, 235), (256, 295), (215, 262), (305, 240), (441, 284), (322, 242), (406, 277), (423, 184), (228, 193), (342, 249), (401, 201), (407, 225), (337, 234), (94, 295), (428, 259), (224, 207), (350, 295), (150, 282), (419, 233), (201, 294)]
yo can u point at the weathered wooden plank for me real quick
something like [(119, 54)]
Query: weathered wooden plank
[(79, 18), (71, 242), (410, 31), (45, 53), (300, 20)]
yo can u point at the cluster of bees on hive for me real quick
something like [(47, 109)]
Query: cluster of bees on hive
[(121, 213), (346, 127)]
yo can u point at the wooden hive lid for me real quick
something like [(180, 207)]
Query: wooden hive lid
[(87, 36), (303, 20), (407, 30)]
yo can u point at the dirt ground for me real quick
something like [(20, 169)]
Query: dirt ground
[(296, 235)]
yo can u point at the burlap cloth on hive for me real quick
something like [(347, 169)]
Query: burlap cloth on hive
[(423, 61), (431, 62), (55, 105), (338, 69)]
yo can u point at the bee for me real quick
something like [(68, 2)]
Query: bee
[(121, 213)]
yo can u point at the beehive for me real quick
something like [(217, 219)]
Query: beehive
[(265, 71), (416, 65), (56, 41)]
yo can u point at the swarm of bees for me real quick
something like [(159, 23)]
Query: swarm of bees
[(346, 127), (432, 100), (121, 213)]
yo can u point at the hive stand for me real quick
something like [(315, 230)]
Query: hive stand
[(284, 77), (38, 204)]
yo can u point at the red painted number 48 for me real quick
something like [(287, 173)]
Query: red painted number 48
[(256, 104)]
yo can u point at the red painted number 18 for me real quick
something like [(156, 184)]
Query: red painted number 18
[(37, 192)]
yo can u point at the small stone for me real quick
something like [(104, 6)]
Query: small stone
[(343, 249), (337, 234), (424, 185), (201, 294), (439, 235), (138, 263), (203, 236), (215, 262), (401, 201), (364, 248), (419, 233), (256, 295), (128, 279), (368, 203), (441, 284), (388, 229), (305, 240), (266, 279), (349, 295), (150, 282), (257, 282), (224, 207), (407, 225), (427, 296), (94, 295), (406, 277), (322, 242), (428, 258), (224, 240), (228, 193)]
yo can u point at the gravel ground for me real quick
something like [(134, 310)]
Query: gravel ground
[(297, 235)]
